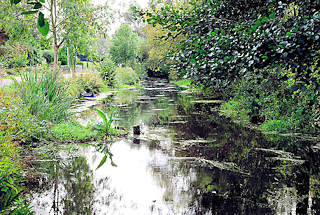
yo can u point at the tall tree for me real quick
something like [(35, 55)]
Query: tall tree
[(124, 44)]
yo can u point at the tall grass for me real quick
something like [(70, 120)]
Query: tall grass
[(45, 96)]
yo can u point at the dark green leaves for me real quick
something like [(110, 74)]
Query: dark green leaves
[(29, 12), (15, 2), (42, 24), (37, 6)]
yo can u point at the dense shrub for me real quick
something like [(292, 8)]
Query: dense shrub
[(48, 55), (140, 69), (281, 104), (62, 57), (89, 82), (16, 123), (107, 71), (45, 96), (10, 174), (126, 75)]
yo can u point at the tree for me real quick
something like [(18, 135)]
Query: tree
[(231, 39), (65, 18), (124, 45)]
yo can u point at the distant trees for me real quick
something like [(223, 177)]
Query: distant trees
[(124, 45)]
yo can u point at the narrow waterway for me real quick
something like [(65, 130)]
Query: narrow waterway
[(188, 160)]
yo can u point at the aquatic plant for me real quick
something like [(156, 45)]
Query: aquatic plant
[(106, 126), (73, 132), (45, 96)]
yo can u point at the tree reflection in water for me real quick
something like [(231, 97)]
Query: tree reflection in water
[(269, 175)]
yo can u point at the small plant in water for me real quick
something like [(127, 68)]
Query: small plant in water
[(106, 126)]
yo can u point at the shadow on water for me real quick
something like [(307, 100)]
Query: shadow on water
[(188, 160)]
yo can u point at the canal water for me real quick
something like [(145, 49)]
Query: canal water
[(187, 160)]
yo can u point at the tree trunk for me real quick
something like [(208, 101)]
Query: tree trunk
[(53, 11)]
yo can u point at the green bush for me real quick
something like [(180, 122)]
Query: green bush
[(140, 69), (62, 56), (126, 75), (276, 97), (10, 174), (16, 123), (107, 71), (45, 96), (48, 55), (15, 56), (87, 82)]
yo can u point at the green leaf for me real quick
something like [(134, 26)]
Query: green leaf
[(265, 19), (41, 20), (258, 23), (104, 159), (102, 115), (44, 30), (272, 16), (15, 2), (37, 6), (42, 1)]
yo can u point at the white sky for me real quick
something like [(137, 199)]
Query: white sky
[(121, 6)]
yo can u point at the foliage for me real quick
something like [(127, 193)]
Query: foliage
[(15, 56), (126, 75), (19, 207), (229, 39), (45, 96), (140, 69), (10, 174), (287, 108), (124, 45), (16, 123), (90, 82), (107, 68), (48, 56), (63, 58), (158, 47), (106, 126), (234, 109), (72, 132)]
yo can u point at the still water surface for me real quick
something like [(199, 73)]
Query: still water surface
[(188, 160)]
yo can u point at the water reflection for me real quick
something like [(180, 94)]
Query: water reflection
[(188, 160)]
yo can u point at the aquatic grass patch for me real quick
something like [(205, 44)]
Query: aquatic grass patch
[(45, 96), (72, 132)]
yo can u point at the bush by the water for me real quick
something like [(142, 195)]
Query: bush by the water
[(107, 71), (126, 76), (45, 96), (276, 100), (89, 82), (16, 123)]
